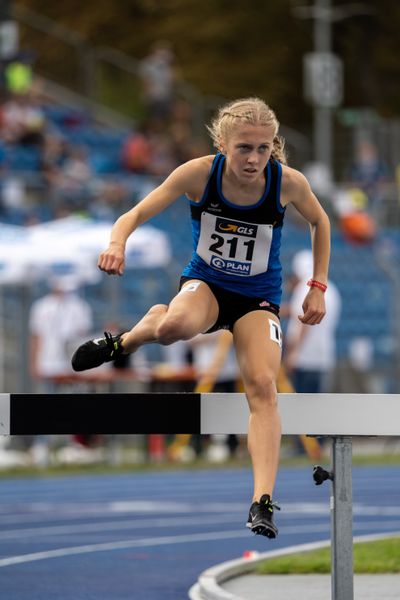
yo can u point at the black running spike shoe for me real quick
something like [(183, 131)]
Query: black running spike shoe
[(94, 353), (260, 519)]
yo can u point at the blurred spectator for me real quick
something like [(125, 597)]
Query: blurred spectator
[(137, 151), (180, 130), (164, 159), (76, 168), (361, 375), (110, 199), (53, 156), (76, 178), (13, 208), (310, 355), (23, 120), (158, 75), (181, 118), (369, 172), (56, 320), (149, 151), (13, 197)]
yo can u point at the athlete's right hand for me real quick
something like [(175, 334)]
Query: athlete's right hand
[(112, 260)]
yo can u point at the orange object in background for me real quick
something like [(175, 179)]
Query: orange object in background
[(358, 227)]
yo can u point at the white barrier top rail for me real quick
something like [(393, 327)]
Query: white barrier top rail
[(309, 414)]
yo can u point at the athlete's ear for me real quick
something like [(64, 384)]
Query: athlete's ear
[(221, 146)]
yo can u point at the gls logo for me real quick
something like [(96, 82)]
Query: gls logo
[(225, 226)]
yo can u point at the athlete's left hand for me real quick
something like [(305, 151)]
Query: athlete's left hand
[(313, 307)]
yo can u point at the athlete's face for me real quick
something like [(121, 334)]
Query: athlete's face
[(248, 149)]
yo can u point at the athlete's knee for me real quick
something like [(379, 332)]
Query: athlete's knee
[(261, 390), (173, 328), (158, 308)]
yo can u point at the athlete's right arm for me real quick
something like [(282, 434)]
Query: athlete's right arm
[(189, 178)]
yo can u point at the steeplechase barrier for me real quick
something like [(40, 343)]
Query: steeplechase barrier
[(337, 416)]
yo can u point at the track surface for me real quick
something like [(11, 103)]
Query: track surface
[(148, 536)]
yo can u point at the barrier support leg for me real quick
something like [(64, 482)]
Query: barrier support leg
[(342, 520)]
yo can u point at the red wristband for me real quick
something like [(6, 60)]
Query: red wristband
[(317, 284)]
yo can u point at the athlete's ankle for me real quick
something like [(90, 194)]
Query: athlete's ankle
[(126, 345), (256, 497)]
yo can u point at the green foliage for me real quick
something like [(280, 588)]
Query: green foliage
[(382, 556)]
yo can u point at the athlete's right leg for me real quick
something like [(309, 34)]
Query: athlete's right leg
[(193, 310)]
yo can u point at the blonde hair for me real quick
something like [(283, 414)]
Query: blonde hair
[(246, 110)]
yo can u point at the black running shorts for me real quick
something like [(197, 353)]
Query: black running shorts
[(233, 306)]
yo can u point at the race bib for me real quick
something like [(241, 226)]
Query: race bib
[(234, 247)]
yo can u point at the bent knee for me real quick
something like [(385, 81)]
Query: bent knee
[(158, 308), (172, 329)]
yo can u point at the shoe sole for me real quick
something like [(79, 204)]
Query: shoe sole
[(264, 530)]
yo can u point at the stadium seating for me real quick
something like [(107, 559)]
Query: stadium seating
[(365, 286)]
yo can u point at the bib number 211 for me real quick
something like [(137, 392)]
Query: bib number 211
[(233, 246)]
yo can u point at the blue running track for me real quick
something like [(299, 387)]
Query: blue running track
[(147, 536)]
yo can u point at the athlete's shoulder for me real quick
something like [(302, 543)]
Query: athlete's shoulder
[(202, 164), (293, 177), (189, 176), (294, 184), (195, 173)]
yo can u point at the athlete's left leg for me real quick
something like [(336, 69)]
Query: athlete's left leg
[(257, 339)]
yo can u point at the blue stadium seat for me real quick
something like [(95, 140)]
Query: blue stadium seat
[(23, 158), (105, 162)]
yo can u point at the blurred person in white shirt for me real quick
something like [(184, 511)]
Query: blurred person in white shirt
[(310, 355), (55, 321)]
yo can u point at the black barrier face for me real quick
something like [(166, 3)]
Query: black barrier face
[(35, 414)]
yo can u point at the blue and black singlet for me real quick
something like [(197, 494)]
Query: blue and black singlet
[(237, 247)]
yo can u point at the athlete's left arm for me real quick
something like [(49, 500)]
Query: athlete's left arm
[(296, 190)]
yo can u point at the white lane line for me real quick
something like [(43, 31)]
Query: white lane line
[(101, 527), (165, 540), (106, 547), (122, 506), (165, 522), (46, 512)]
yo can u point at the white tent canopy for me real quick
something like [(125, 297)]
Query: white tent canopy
[(29, 253)]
